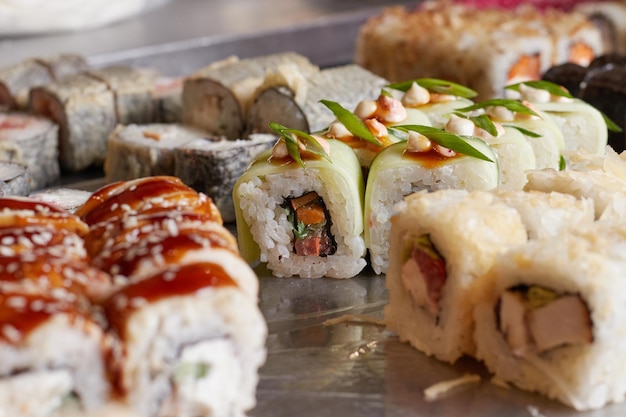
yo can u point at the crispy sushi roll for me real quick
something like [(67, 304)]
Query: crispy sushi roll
[(346, 85), (133, 88), (440, 243), (14, 179), (18, 79), (137, 150), (213, 166), (548, 318), (300, 213), (404, 168), (192, 342), (32, 141), (216, 98), (53, 351), (168, 99), (84, 109), (147, 195)]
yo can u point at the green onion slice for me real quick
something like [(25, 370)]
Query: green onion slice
[(437, 86), (293, 136), (550, 87), (512, 105), (351, 122)]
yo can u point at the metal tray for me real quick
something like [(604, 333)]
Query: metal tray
[(347, 369)]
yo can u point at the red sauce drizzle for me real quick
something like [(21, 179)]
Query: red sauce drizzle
[(17, 203)]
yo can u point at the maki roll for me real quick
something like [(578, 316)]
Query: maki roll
[(548, 318), (440, 244), (14, 179), (34, 142), (419, 164), (299, 208)]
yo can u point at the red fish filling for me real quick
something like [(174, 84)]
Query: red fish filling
[(536, 319), (311, 224), (424, 274)]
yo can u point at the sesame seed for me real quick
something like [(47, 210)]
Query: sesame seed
[(11, 333)]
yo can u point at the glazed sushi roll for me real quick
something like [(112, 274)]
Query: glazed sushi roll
[(32, 141), (14, 179), (548, 318), (84, 109), (53, 353), (300, 213), (142, 150), (216, 98), (404, 168), (212, 166), (440, 244), (66, 198), (207, 343), (346, 85), (18, 79)]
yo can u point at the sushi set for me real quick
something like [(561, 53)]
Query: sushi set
[(277, 234)]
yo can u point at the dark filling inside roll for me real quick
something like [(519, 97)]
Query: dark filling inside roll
[(536, 319), (311, 224), (424, 274)]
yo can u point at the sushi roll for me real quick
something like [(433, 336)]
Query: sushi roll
[(213, 166), (440, 244), (346, 85), (300, 213), (84, 109), (18, 79), (14, 179), (31, 141), (168, 101), (216, 98), (136, 150), (407, 167), (548, 318), (192, 340), (66, 198)]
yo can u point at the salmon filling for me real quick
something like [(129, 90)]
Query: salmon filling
[(311, 223), (424, 275), (536, 319), (527, 67)]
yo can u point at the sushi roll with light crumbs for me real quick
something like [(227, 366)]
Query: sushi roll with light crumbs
[(32, 141), (549, 318), (299, 208), (582, 125), (192, 342), (414, 165), (549, 214), (84, 109), (14, 179), (136, 150), (17, 80), (290, 106), (212, 166), (216, 98), (440, 244)]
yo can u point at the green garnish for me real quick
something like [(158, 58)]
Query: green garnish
[(550, 87), (437, 86), (446, 139), (293, 137), (191, 370), (525, 132), (539, 296), (512, 105), (426, 244), (610, 124), (562, 163), (351, 122), (482, 121)]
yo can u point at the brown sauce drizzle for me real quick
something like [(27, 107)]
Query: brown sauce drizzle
[(430, 159)]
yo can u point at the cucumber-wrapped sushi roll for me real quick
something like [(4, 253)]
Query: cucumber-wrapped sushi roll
[(549, 318), (582, 125), (440, 243), (299, 208), (419, 164)]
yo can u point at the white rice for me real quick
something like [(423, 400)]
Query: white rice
[(272, 231)]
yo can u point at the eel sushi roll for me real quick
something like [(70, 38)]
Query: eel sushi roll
[(440, 243), (136, 150), (549, 318), (32, 141), (14, 179), (404, 168), (84, 109), (213, 166), (302, 219), (192, 340)]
